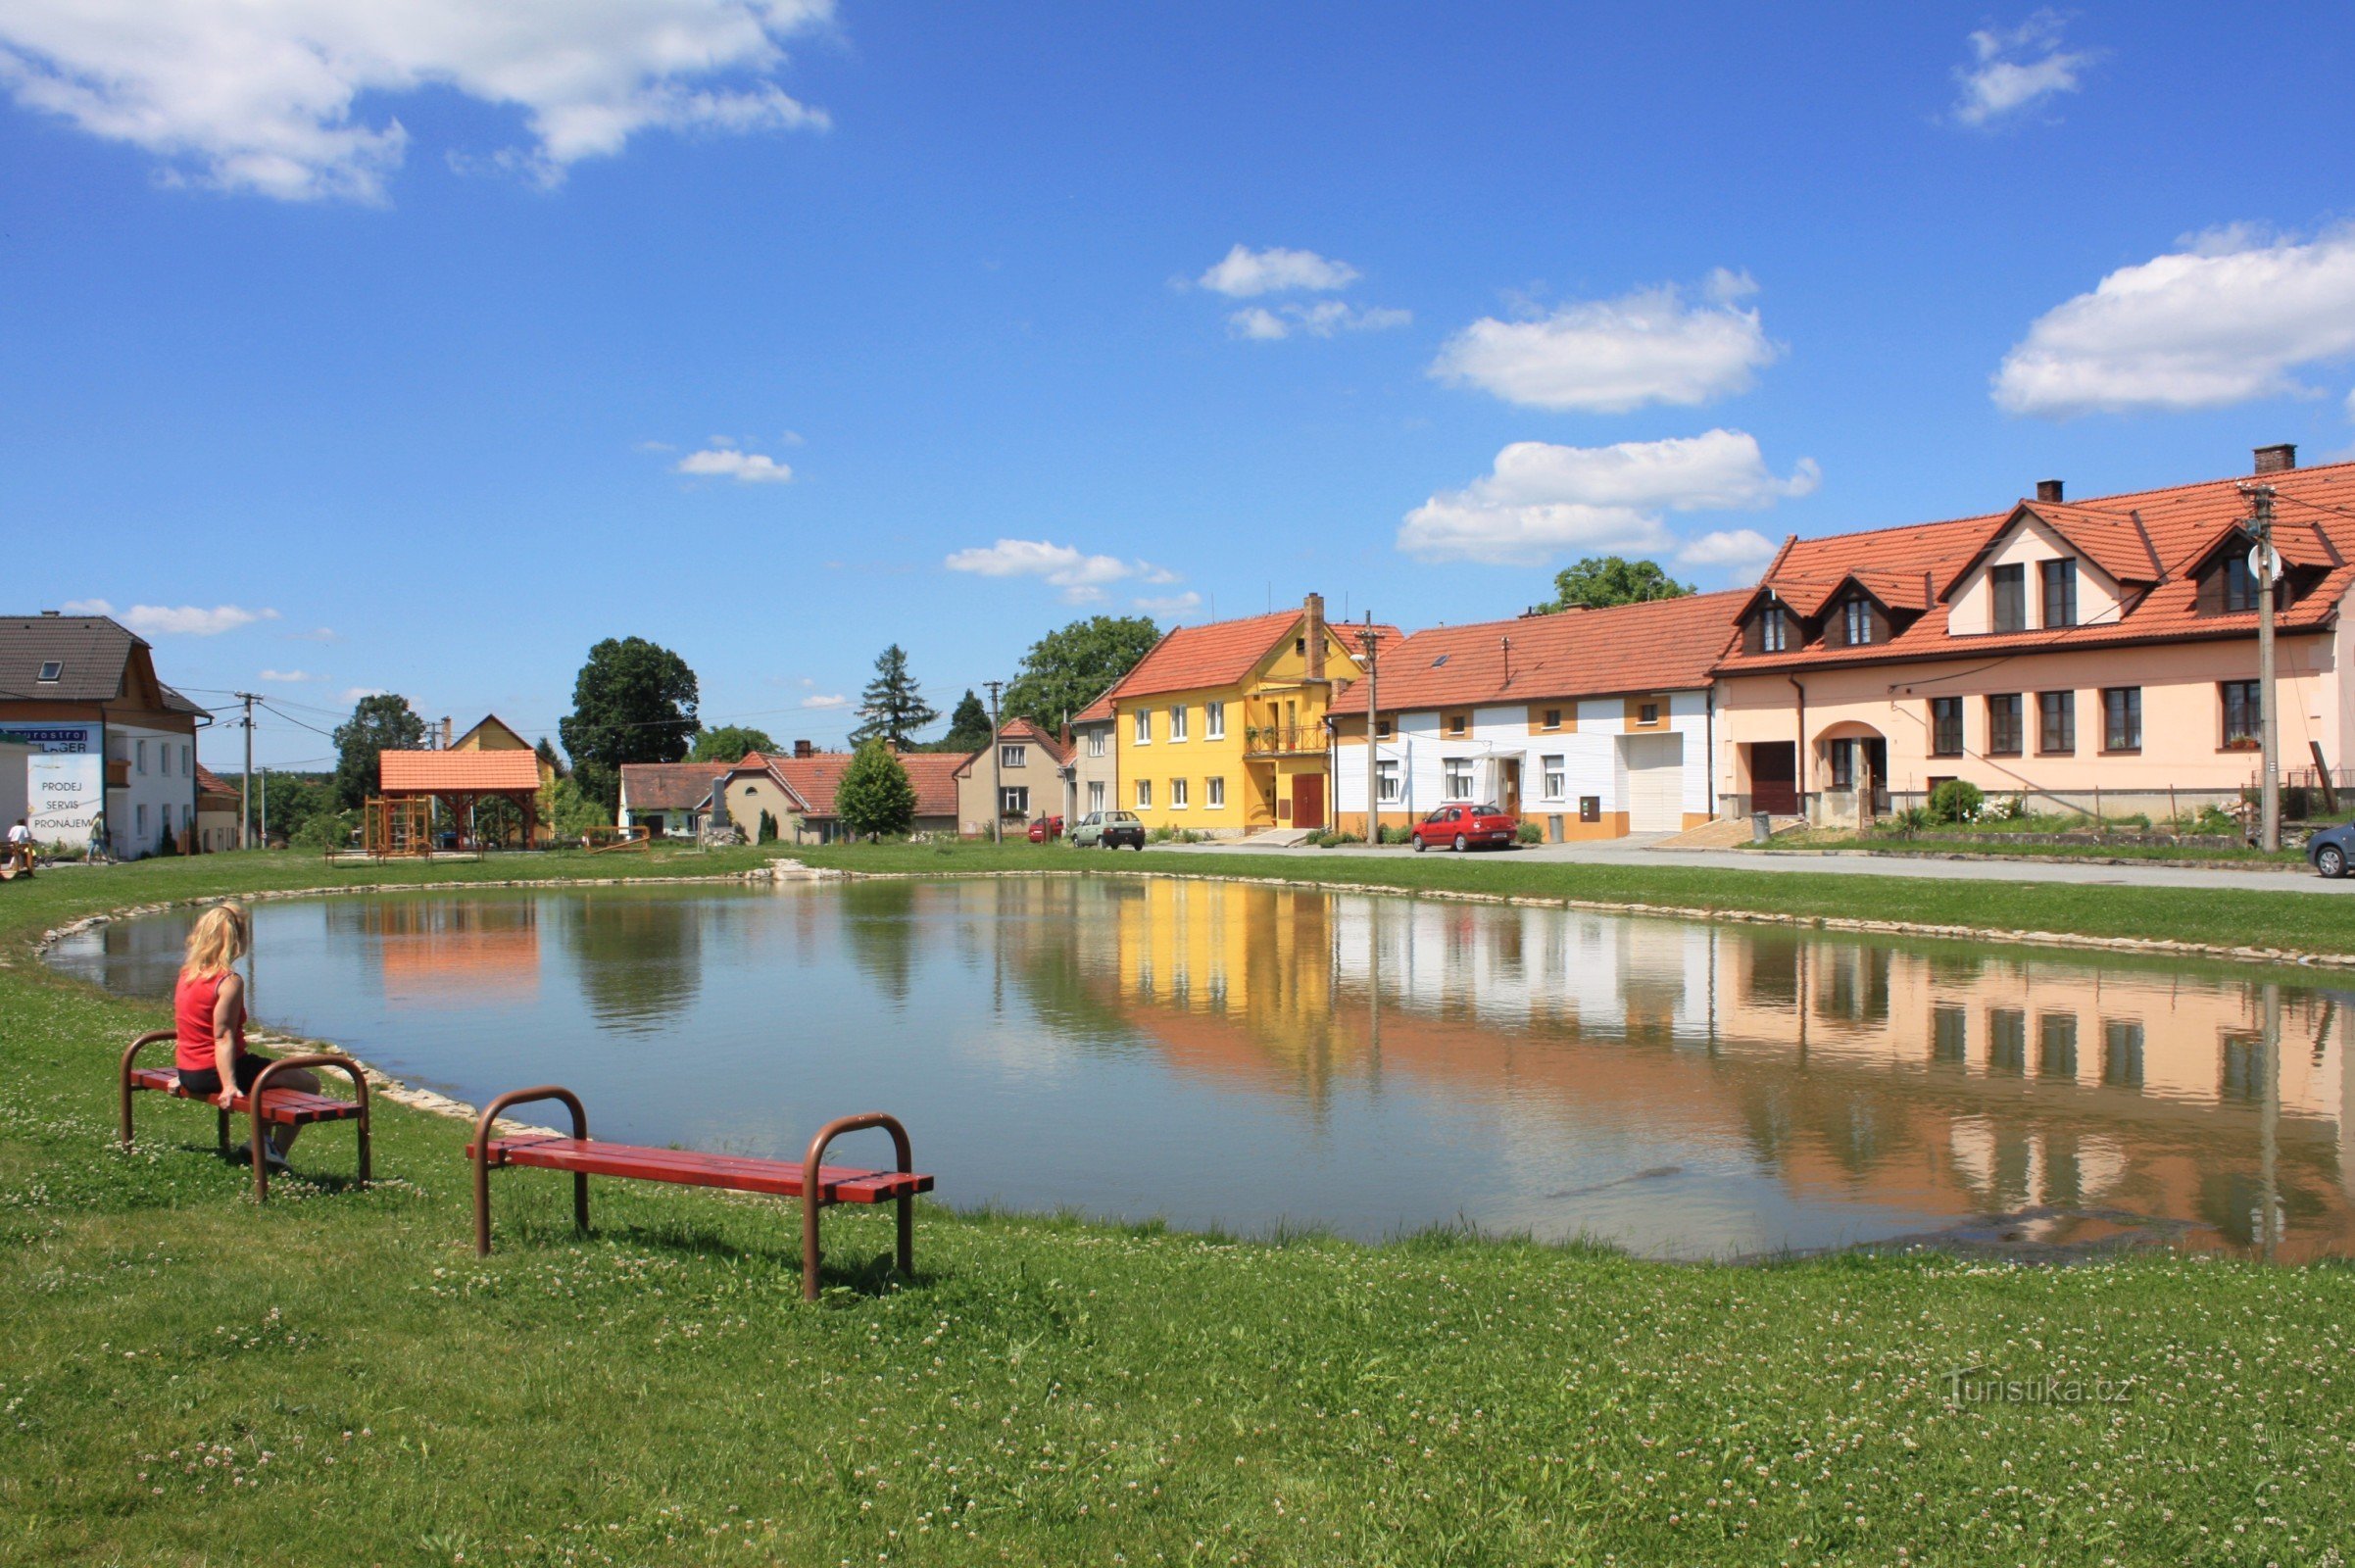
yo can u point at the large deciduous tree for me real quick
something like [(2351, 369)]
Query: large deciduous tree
[(1070, 667), (634, 702), (380, 723), (891, 708), (728, 743), (1599, 581), (875, 795)]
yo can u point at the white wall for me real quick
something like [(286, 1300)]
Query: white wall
[(15, 798), (1973, 611), (166, 788)]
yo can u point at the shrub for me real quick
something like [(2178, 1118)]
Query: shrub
[(324, 830), (1914, 819), (768, 835), (1956, 800), (1398, 835), (875, 798), (1333, 838), (1529, 832)]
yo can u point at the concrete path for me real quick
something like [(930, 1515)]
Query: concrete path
[(1634, 852)]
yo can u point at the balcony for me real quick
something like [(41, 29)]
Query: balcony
[(1283, 740)]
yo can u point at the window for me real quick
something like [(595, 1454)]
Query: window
[(1856, 621), (1553, 718), (52, 671), (1557, 777), (1774, 630), (1382, 729), (1177, 794), (1094, 796), (2009, 586), (1386, 781), (1946, 726), (1218, 793), (2056, 722), (164, 761), (2060, 592), (1841, 755), (1144, 726), (2241, 715), (2239, 583), (1013, 757), (2121, 718), (142, 821), (1177, 722), (1950, 1035), (1458, 723), (1458, 778), (2007, 1041), (1647, 713), (1096, 743), (1016, 802), (1145, 795), (1214, 720), (1299, 646), (2056, 1045), (2122, 1054), (142, 756), (2004, 726), (187, 768)]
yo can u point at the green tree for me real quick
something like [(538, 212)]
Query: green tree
[(891, 706), (768, 828), (569, 811), (1068, 668), (380, 723), (550, 758), (875, 795), (1601, 581), (729, 743), (968, 728), (634, 702)]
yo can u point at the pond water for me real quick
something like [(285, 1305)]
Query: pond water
[(1251, 1057)]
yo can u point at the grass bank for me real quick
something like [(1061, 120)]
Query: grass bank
[(2009, 846), (186, 1379)]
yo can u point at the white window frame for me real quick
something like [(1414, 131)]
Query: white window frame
[(141, 752), (1013, 800), (1215, 722), (1177, 794), (1016, 756), (1451, 776), (1095, 796), (1218, 792), (1177, 722), (1096, 743), (1144, 726), (1555, 769), (1387, 781), (1145, 795)]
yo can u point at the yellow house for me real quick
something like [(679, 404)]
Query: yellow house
[(494, 734), (1221, 728)]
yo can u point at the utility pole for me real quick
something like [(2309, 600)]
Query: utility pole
[(245, 780), (265, 811), (997, 783), (1369, 637), (2268, 820)]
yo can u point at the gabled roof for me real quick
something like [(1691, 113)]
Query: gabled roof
[(454, 773), (99, 661), (209, 782), (490, 729), (816, 777), (1098, 712), (1220, 653), (670, 786), (1020, 732), (2176, 530), (1664, 645)]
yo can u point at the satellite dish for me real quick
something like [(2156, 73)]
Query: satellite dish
[(2257, 562)]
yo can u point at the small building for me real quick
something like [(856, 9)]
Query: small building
[(219, 811), (1091, 762), (668, 799), (797, 790), (80, 692), (1029, 781), (1593, 724), (461, 782)]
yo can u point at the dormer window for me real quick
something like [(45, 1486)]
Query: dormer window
[(2239, 583), (2008, 587), (52, 671), (1856, 622), (2059, 583), (1774, 630)]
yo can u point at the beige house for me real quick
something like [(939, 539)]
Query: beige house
[(1028, 782), (1092, 762)]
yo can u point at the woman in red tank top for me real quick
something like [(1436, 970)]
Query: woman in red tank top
[(208, 1019)]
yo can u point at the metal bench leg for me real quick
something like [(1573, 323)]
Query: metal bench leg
[(812, 1190), (131, 1059), (482, 1157), (252, 1102)]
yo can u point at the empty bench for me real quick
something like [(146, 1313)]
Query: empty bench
[(279, 1106), (814, 1182)]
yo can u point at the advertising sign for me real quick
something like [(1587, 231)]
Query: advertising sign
[(66, 738), (65, 789)]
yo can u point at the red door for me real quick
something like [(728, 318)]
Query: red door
[(1308, 801), (1775, 778)]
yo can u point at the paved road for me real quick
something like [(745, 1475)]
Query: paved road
[(1633, 853)]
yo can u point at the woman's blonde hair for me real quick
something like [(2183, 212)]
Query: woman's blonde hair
[(216, 941)]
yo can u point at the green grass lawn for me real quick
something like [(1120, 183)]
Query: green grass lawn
[(1998, 844), (186, 1379)]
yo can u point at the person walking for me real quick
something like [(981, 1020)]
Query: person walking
[(97, 854)]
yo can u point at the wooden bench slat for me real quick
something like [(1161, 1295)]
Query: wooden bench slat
[(837, 1184), (288, 1108)]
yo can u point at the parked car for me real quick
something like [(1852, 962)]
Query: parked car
[(1045, 828), (1463, 826), (1108, 830), (2333, 849)]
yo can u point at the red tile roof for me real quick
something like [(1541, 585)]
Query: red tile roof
[(209, 782), (816, 778), (2150, 540), (1665, 645), (1097, 711), (1218, 653), (1021, 732), (439, 772)]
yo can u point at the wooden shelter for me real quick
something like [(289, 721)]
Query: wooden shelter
[(462, 780)]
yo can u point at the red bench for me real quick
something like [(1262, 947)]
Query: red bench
[(282, 1107), (814, 1182)]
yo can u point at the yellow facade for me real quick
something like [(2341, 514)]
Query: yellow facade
[(1239, 757)]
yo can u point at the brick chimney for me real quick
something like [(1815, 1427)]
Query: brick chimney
[(1313, 612), (2049, 489), (2279, 459), (801, 748)]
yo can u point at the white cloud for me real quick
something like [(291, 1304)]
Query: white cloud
[(1245, 274), (353, 694), (1169, 604), (836, 700), (2013, 69), (728, 463), (1321, 319), (2224, 319), (1728, 548), (188, 620), (262, 95), (1540, 499), (316, 634), (287, 677), (1081, 576), (1610, 356)]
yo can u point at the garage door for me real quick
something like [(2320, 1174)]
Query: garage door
[(1656, 783)]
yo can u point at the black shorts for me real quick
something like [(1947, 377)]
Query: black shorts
[(205, 1083)]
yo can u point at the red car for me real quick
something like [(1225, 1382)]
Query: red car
[(1045, 828), (1464, 827)]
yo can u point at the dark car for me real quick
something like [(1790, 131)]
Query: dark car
[(2333, 849)]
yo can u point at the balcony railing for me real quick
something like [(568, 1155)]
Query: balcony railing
[(1282, 740)]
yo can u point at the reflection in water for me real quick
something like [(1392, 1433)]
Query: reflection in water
[(1215, 1051)]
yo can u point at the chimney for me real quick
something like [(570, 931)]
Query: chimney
[(1313, 609), (445, 732), (2276, 458), (2049, 489), (801, 748)]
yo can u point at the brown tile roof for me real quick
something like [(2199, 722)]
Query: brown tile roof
[(1022, 732), (209, 782), (1095, 713), (670, 786), (816, 778), (2151, 539), (422, 772), (1666, 645)]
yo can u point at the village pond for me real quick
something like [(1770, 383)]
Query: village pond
[(1256, 1057)]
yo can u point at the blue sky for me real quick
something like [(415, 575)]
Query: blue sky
[(367, 345)]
